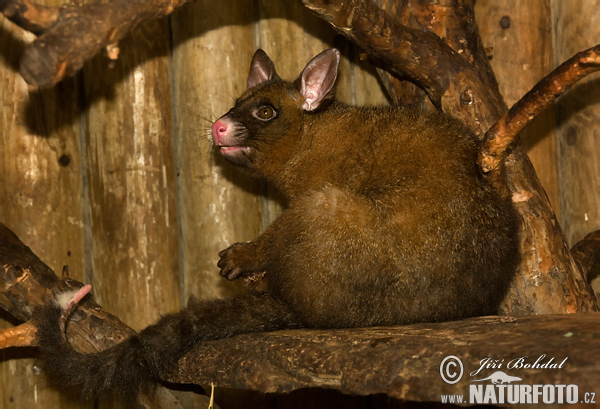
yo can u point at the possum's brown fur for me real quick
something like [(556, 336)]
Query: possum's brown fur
[(388, 222)]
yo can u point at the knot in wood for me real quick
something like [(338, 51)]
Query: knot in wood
[(466, 97)]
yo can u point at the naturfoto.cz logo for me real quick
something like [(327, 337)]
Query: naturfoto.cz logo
[(500, 387)]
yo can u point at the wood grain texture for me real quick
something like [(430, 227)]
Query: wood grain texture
[(131, 176), (76, 32), (519, 37), (579, 122), (40, 196), (213, 46), (402, 362)]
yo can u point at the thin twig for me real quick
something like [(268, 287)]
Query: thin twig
[(20, 336), (500, 137)]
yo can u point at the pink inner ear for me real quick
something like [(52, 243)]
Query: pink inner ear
[(318, 78), (310, 92)]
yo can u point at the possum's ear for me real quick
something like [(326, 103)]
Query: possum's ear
[(261, 69), (318, 78)]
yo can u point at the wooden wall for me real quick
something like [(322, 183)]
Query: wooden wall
[(112, 172)]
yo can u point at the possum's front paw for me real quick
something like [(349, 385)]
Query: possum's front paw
[(241, 259)]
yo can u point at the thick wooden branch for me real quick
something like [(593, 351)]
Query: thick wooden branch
[(26, 282), (587, 255), (74, 33), (500, 137), (402, 362), (458, 28)]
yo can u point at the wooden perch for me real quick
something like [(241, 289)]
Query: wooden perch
[(500, 137), (402, 362), (74, 33)]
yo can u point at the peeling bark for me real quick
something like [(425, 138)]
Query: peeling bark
[(20, 336)]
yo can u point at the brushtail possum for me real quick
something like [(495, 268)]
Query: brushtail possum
[(388, 221)]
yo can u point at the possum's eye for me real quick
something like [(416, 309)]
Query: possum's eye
[(265, 113)]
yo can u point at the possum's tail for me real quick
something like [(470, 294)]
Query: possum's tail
[(136, 363)]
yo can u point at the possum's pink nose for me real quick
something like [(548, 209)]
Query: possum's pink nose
[(219, 130)]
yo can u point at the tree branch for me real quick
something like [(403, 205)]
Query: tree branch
[(548, 280), (72, 34), (26, 282), (500, 137), (587, 255), (20, 336), (402, 362), (334, 359), (458, 28)]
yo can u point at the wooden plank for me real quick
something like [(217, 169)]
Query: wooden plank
[(578, 27), (131, 173), (404, 362), (368, 88), (130, 170), (213, 46), (519, 35), (40, 196)]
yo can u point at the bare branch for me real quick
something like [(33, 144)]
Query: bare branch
[(20, 336), (74, 33), (500, 137)]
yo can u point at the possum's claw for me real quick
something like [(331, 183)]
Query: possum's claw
[(68, 301)]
